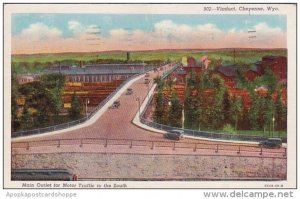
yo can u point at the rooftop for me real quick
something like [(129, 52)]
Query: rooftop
[(229, 70)]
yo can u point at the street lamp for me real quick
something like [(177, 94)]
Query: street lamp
[(182, 125), (273, 119), (138, 99), (87, 101)]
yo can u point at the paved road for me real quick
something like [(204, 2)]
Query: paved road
[(117, 123)]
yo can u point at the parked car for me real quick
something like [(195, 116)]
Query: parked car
[(147, 75), (271, 143), (129, 91), (174, 134)]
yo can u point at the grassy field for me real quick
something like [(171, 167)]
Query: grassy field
[(37, 63), (243, 56)]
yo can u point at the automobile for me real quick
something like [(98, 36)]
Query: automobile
[(147, 75), (174, 134), (147, 81), (116, 104), (129, 91), (271, 143)]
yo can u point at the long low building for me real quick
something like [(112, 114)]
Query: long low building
[(98, 72)]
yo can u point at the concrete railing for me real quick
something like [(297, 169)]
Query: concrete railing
[(57, 143)]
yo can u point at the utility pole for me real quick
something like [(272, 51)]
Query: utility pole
[(233, 55)]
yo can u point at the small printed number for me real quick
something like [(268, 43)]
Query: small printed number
[(207, 8)]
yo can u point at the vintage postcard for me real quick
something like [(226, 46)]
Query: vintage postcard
[(149, 96)]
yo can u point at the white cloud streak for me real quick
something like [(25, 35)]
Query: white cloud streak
[(166, 34)]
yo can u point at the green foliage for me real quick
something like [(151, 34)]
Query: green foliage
[(236, 110), (160, 83), (229, 129), (15, 123), (160, 113), (43, 101), (26, 118), (280, 113), (76, 108), (268, 80), (55, 84), (254, 112), (205, 80), (175, 112), (217, 110), (190, 109), (191, 80), (226, 106)]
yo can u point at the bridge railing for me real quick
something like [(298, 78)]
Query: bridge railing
[(193, 146)]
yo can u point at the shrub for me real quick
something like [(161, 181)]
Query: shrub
[(229, 128)]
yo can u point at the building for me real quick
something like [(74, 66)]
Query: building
[(24, 79), (181, 73), (228, 72), (253, 72), (191, 62), (278, 64), (98, 72)]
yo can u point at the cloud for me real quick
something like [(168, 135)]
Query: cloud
[(39, 32), (165, 34), (75, 27), (264, 28)]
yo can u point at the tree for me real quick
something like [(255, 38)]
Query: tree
[(236, 110), (254, 111), (159, 112), (192, 100), (269, 113), (280, 113), (75, 112), (226, 106), (41, 119), (55, 84), (190, 109), (267, 80), (191, 80), (218, 106), (38, 98), (15, 123), (160, 83), (26, 118), (175, 112)]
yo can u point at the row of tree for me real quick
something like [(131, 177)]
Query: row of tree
[(209, 106)]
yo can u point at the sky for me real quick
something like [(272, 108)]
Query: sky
[(55, 33)]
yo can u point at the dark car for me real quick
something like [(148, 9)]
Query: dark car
[(147, 81), (129, 91), (116, 104), (174, 134), (271, 143)]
